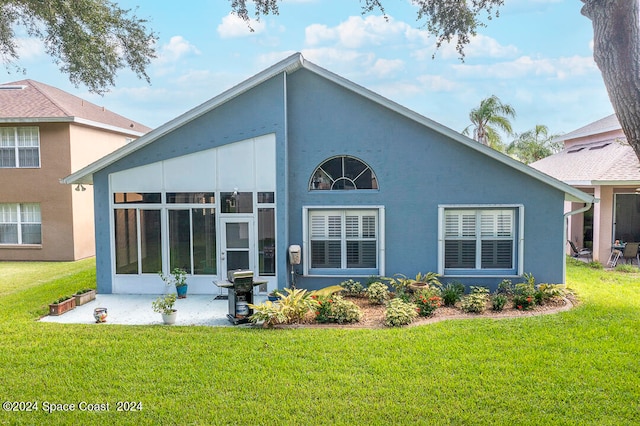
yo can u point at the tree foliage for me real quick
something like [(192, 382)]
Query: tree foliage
[(488, 119), (534, 145), (447, 20), (90, 40)]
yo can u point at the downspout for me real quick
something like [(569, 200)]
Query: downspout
[(565, 231)]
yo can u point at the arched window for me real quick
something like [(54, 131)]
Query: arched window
[(343, 173)]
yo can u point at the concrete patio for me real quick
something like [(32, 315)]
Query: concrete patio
[(135, 309)]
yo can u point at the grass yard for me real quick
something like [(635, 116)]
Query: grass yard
[(580, 367)]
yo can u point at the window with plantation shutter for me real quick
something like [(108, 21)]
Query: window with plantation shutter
[(344, 239), (480, 239)]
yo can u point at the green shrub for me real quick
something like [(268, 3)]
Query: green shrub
[(498, 302), (451, 293), (399, 313), (476, 301), (505, 287), (337, 309), (352, 288), (545, 292), (377, 293), (290, 309), (524, 296), (427, 302)]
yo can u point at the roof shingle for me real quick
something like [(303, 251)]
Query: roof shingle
[(30, 99)]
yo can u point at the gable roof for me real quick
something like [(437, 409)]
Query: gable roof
[(607, 124), (31, 101), (596, 163), (288, 66), (603, 159)]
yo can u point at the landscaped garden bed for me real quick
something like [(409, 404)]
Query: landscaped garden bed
[(410, 302)]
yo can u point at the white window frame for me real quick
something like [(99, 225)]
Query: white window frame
[(18, 221), (518, 238), (351, 272), (14, 142)]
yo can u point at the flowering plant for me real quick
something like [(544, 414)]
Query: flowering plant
[(427, 304)]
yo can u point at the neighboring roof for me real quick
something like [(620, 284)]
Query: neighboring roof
[(290, 65), (607, 124), (610, 161), (31, 101)]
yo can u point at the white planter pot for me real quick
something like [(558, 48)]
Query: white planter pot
[(170, 318)]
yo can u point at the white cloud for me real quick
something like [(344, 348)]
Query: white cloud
[(559, 68), (176, 49), (358, 32), (437, 83), (233, 26), (479, 46), (386, 67), (29, 48)]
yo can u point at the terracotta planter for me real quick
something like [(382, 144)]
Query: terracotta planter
[(83, 298), (56, 309)]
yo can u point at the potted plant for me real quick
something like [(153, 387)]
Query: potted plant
[(84, 296), (62, 305), (274, 295), (164, 305), (178, 278)]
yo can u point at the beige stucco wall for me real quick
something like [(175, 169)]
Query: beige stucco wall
[(67, 215), (88, 145)]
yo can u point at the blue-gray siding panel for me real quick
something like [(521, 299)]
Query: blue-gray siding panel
[(417, 169), (257, 112)]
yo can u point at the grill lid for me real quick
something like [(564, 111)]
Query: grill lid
[(232, 276)]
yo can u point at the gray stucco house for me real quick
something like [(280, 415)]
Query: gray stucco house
[(297, 155)]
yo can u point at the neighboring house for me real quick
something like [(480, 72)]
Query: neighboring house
[(596, 159), (46, 134), (297, 155)]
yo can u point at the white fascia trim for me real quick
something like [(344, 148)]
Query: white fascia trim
[(77, 120), (616, 182), (85, 175)]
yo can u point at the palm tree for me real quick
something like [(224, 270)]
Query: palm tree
[(492, 115), (534, 145)]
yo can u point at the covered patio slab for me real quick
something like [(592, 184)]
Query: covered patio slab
[(135, 309)]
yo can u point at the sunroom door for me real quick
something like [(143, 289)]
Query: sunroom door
[(238, 247)]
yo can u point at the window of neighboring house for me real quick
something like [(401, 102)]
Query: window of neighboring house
[(344, 241), (20, 224), (480, 240), (343, 173), (19, 147)]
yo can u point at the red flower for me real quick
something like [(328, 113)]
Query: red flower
[(317, 313), (529, 299), (519, 306)]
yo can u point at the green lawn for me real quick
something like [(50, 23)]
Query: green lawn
[(578, 367)]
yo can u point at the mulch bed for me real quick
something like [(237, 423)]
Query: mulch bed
[(374, 314)]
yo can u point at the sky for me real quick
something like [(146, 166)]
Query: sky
[(537, 56)]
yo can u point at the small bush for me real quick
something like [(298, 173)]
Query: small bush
[(476, 301), (399, 313), (290, 309), (524, 296), (546, 292), (337, 309), (451, 293), (377, 293), (352, 288), (498, 302), (505, 287), (427, 302)]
